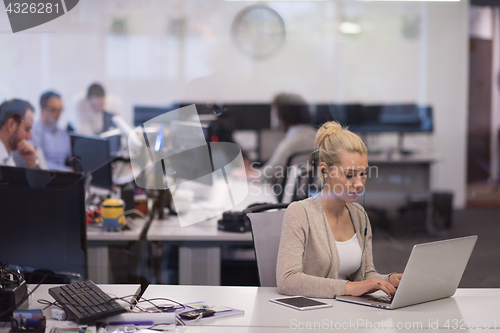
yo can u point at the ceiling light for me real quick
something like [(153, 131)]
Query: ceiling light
[(350, 28)]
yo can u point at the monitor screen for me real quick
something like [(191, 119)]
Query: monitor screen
[(95, 158), (395, 118), (249, 116), (203, 108), (145, 113), (43, 222), (345, 114), (399, 118)]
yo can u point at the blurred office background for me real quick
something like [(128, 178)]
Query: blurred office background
[(158, 53)]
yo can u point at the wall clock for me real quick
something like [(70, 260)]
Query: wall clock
[(258, 31)]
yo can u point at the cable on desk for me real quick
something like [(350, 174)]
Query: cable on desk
[(133, 303), (150, 301), (124, 299), (49, 304)]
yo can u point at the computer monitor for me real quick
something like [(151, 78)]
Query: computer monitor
[(400, 118), (43, 222), (248, 116), (145, 113), (345, 114), (95, 158), (203, 108)]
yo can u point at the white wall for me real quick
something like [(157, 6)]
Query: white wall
[(155, 65), (447, 78)]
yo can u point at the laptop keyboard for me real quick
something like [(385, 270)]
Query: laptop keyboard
[(383, 299)]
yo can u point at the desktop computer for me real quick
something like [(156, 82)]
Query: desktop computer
[(249, 116), (384, 118), (92, 155), (145, 113), (399, 118), (345, 114), (43, 220)]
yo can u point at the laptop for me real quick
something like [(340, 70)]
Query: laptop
[(433, 271)]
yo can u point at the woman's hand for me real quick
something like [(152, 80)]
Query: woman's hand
[(394, 279), (368, 286)]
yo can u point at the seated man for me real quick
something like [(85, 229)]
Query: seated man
[(94, 112), (295, 120), (54, 142), (16, 119)]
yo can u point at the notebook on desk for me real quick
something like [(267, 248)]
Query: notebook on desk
[(433, 271)]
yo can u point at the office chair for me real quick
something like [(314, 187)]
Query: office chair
[(266, 221), (298, 177)]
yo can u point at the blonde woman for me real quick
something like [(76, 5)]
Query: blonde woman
[(326, 241)]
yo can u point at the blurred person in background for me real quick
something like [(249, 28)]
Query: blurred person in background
[(95, 111), (54, 142), (295, 119), (16, 120)]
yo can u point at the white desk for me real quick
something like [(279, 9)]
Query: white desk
[(469, 306), (98, 242), (200, 243), (42, 292), (475, 305)]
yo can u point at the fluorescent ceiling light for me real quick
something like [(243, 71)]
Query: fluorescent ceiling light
[(350, 28)]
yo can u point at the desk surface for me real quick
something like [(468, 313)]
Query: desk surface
[(469, 306), (136, 226), (171, 230)]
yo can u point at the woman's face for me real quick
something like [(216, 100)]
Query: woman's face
[(346, 181)]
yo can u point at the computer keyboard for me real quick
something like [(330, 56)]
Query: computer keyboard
[(85, 302), (383, 299)]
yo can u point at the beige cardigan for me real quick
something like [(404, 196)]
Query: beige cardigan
[(308, 261)]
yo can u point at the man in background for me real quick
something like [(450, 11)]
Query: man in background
[(54, 142), (94, 112), (16, 120), (295, 119)]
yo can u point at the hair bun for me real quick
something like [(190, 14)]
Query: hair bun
[(326, 130)]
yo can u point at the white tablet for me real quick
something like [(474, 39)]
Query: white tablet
[(301, 303)]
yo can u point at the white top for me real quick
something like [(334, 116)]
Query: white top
[(89, 122), (298, 138), (350, 257), (5, 157)]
